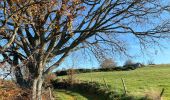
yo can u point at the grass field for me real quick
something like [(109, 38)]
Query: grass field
[(67, 95), (139, 82), (74, 95)]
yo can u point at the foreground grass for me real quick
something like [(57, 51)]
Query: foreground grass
[(67, 95), (139, 82)]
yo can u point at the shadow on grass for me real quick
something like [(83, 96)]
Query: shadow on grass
[(80, 95)]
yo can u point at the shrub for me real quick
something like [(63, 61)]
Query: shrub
[(10, 91), (61, 73), (48, 79), (77, 71), (129, 67), (71, 75)]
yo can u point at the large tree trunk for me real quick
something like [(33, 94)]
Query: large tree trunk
[(35, 80), (37, 83), (37, 89), (34, 89)]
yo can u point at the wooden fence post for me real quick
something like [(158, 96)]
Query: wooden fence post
[(115, 86), (105, 83), (124, 86), (51, 97), (91, 79)]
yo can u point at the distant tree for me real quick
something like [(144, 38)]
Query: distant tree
[(151, 62), (108, 63), (128, 62)]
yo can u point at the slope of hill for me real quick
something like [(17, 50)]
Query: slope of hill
[(139, 82), (143, 81)]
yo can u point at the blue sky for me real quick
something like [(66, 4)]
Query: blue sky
[(79, 60), (159, 55)]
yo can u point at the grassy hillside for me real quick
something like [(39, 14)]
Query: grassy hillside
[(139, 82), (142, 81), (67, 95), (74, 95)]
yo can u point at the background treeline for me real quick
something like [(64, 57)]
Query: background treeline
[(105, 65), (77, 71)]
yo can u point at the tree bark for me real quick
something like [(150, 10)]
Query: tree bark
[(18, 73), (39, 89), (38, 82), (19, 78), (34, 89)]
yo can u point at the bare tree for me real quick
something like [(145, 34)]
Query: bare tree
[(128, 62), (36, 32), (108, 63), (151, 62)]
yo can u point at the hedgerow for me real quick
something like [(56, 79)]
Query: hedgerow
[(93, 88), (77, 71)]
